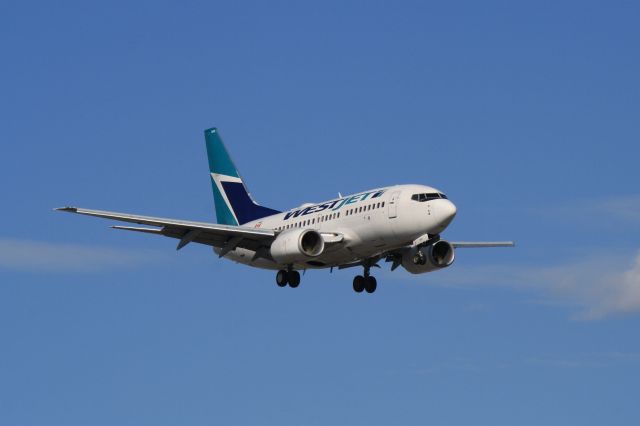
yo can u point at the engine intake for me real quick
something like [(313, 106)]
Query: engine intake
[(438, 255), (297, 245)]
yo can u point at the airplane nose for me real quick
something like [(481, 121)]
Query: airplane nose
[(447, 211)]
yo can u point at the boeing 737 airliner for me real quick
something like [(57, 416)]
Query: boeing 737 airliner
[(400, 224)]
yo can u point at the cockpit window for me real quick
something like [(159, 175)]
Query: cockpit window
[(428, 196)]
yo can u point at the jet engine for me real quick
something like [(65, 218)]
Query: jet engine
[(424, 259), (296, 245)]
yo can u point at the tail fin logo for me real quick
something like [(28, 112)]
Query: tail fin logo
[(219, 181)]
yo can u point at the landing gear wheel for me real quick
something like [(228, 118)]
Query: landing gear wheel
[(370, 284), (358, 283), (294, 278), (282, 278)]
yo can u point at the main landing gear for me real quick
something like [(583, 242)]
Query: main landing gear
[(366, 283), (289, 276)]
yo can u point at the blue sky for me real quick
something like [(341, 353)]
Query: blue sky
[(524, 113)]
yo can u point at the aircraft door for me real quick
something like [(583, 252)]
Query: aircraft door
[(393, 205)]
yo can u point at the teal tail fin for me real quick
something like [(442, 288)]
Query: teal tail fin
[(234, 205)]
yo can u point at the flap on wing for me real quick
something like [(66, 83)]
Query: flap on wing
[(212, 234), (137, 229), (160, 221)]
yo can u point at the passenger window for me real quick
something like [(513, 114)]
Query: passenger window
[(383, 204)]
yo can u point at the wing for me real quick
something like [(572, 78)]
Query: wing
[(480, 244), (227, 237)]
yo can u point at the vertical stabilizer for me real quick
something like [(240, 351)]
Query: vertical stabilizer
[(234, 205)]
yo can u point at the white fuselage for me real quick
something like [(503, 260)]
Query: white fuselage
[(371, 223)]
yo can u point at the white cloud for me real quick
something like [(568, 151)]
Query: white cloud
[(599, 286), (607, 211), (38, 256), (626, 208), (585, 360)]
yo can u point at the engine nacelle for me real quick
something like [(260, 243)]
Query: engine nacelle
[(296, 245), (436, 256)]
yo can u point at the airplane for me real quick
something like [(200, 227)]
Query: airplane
[(399, 224)]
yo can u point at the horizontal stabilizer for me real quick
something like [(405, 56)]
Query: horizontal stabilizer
[(481, 244)]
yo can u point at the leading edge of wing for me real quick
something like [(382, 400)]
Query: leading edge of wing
[(482, 244), (159, 221)]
